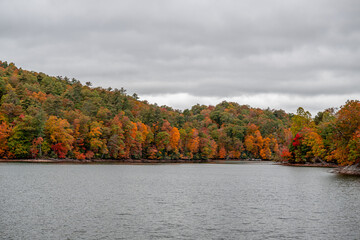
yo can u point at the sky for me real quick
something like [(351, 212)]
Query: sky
[(270, 53)]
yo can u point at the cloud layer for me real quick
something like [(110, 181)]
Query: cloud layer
[(277, 54)]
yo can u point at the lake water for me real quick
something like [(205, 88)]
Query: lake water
[(180, 201)]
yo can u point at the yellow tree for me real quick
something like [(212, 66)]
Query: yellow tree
[(265, 151), (97, 144), (301, 120), (123, 139), (60, 135), (315, 142), (142, 134)]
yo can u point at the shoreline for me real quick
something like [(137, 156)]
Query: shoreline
[(324, 165), (125, 161), (353, 170), (348, 170)]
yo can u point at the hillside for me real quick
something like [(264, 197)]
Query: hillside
[(56, 117), (44, 116)]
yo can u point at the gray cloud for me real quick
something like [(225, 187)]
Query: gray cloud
[(204, 49)]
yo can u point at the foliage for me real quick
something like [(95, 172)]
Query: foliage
[(44, 116)]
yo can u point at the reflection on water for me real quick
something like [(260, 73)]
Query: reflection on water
[(189, 201)]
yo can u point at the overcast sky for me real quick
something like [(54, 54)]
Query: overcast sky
[(278, 54)]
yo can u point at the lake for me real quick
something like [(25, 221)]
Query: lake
[(177, 201)]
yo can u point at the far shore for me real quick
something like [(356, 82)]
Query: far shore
[(349, 170), (126, 161)]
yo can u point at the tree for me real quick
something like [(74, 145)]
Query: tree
[(35, 149), (22, 134), (300, 120), (193, 143), (97, 144), (254, 141), (265, 151), (346, 142), (222, 152), (5, 131), (174, 139), (60, 135)]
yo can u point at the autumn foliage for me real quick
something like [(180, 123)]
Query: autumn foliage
[(43, 116), (329, 137)]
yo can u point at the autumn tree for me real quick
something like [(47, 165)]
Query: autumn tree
[(174, 140), (5, 131), (95, 140), (300, 120), (193, 142), (346, 148), (59, 134), (254, 141)]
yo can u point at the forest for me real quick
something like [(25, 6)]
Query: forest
[(43, 116)]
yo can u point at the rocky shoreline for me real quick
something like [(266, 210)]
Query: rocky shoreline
[(325, 165), (353, 170)]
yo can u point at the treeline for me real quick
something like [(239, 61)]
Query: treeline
[(332, 136), (57, 117), (43, 116)]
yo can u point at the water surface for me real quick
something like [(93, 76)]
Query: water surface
[(180, 201)]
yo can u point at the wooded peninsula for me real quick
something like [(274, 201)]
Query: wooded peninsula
[(56, 117)]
